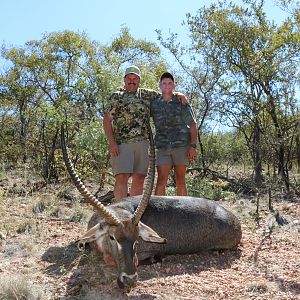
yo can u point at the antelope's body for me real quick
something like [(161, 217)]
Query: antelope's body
[(189, 224)]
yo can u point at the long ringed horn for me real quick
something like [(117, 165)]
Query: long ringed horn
[(109, 217), (149, 181)]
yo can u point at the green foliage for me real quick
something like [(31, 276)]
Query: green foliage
[(240, 69), (204, 187), (128, 48), (125, 49), (251, 66), (10, 147), (170, 191), (64, 77), (92, 139), (48, 79), (225, 149)]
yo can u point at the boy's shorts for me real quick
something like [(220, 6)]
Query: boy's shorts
[(172, 156), (133, 158)]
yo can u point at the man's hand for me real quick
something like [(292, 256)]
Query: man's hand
[(182, 98)]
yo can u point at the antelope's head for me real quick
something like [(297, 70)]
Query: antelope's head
[(117, 233)]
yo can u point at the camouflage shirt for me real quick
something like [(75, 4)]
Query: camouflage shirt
[(171, 120), (130, 113)]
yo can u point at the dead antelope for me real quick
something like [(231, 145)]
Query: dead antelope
[(114, 229), (187, 224)]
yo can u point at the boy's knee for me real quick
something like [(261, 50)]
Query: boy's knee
[(162, 180)]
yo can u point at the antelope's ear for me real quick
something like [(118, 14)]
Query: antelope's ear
[(90, 235), (149, 235)]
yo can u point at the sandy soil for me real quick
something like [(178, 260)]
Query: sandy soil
[(37, 250)]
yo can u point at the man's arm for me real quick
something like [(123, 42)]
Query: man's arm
[(107, 125), (152, 95), (149, 94), (182, 98)]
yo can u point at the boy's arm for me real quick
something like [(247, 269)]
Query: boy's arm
[(192, 150), (193, 133)]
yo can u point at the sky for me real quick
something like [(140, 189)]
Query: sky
[(23, 20), (101, 20)]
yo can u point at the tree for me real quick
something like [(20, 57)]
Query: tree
[(50, 78), (18, 94), (64, 77), (256, 66)]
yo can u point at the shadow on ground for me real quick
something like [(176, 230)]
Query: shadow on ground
[(86, 270), (61, 259), (190, 264)]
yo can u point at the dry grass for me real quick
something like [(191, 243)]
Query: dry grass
[(14, 287), (39, 260)]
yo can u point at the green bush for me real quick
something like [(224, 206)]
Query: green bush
[(204, 187)]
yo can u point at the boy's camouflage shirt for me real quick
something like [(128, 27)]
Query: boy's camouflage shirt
[(171, 120), (130, 112)]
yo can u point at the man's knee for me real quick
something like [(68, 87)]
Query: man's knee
[(137, 184), (122, 178)]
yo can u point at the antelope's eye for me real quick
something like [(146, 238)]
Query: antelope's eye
[(112, 237)]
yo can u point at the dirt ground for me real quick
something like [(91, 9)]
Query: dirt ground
[(38, 231)]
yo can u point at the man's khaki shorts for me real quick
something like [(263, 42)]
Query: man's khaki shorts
[(133, 158), (172, 156)]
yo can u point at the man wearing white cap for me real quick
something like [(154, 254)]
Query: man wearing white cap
[(125, 125)]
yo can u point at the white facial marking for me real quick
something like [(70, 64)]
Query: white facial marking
[(99, 236), (125, 275)]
